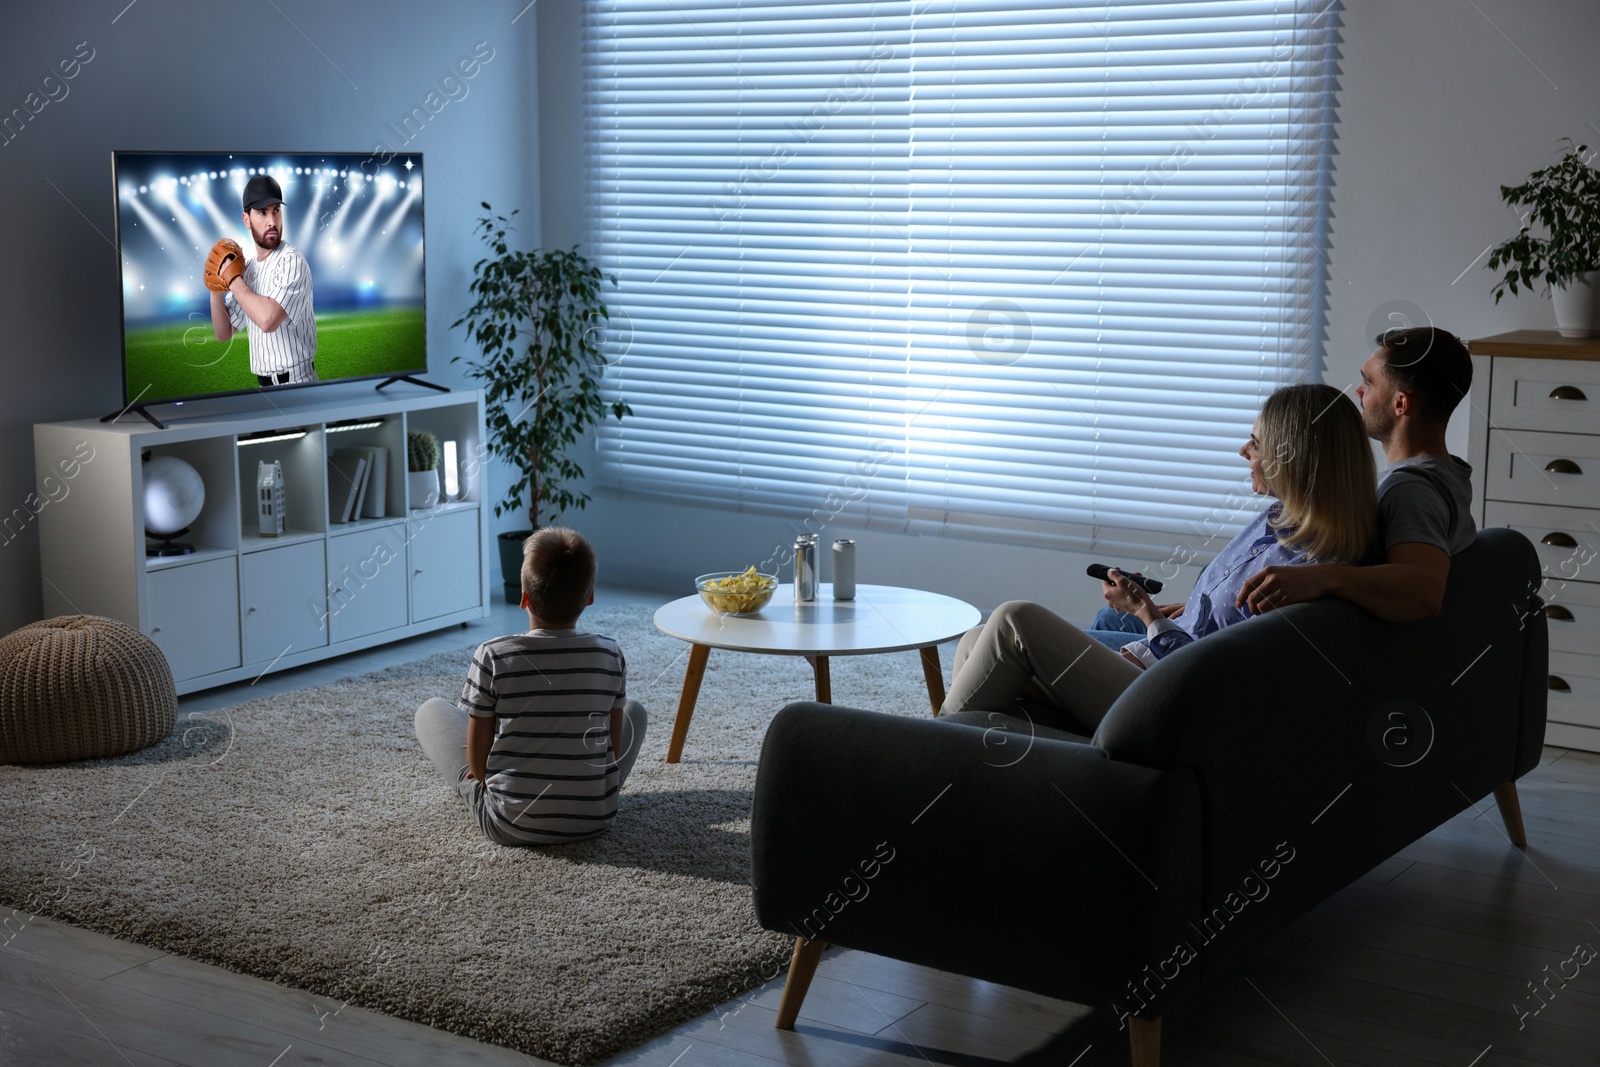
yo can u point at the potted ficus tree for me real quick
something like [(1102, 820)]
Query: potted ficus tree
[(538, 321), (1564, 200)]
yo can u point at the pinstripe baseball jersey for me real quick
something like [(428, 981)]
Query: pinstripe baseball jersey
[(285, 277)]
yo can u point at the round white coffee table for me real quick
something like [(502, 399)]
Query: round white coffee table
[(882, 618)]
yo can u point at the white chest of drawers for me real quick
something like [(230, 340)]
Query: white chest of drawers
[(1535, 445)]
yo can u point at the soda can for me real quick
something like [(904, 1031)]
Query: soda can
[(844, 569), (805, 568)]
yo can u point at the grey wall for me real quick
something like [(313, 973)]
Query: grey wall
[(1440, 107), (1437, 109), (189, 74)]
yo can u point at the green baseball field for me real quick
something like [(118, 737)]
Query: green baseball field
[(185, 359)]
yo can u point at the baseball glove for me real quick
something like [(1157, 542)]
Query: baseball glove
[(223, 265)]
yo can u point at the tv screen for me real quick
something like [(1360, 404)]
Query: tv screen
[(332, 283)]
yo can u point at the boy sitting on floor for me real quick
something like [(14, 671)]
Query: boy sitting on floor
[(543, 736)]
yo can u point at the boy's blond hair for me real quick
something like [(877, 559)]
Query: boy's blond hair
[(558, 568)]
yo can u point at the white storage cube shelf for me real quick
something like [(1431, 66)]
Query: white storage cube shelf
[(241, 603)]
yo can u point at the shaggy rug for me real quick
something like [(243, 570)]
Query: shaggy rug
[(305, 838)]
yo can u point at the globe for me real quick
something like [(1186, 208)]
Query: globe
[(173, 495)]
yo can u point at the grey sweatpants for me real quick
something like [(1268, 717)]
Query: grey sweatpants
[(442, 732), (1024, 650)]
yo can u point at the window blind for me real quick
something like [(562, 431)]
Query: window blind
[(1011, 270)]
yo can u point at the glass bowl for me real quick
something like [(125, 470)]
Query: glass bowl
[(744, 598)]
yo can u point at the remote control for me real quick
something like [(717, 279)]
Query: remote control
[(1149, 585)]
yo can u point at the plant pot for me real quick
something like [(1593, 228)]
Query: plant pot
[(1578, 306), (511, 563), (422, 487)]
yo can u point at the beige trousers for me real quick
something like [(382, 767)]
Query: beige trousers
[(1024, 650)]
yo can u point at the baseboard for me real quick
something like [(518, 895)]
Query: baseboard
[(637, 576)]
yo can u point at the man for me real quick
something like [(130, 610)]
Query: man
[(1408, 389), (272, 297)]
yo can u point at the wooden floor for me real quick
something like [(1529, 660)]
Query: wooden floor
[(1425, 960)]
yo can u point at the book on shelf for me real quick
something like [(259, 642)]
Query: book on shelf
[(347, 472), (374, 504)]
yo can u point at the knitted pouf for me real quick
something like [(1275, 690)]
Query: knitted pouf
[(81, 686)]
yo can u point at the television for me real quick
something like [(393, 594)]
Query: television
[(338, 236)]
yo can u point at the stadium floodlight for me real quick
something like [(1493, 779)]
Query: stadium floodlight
[(166, 194), (153, 223), (363, 224)]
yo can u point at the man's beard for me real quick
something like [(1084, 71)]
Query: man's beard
[(264, 241), (1379, 426)]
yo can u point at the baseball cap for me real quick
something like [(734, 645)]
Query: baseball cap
[(262, 192)]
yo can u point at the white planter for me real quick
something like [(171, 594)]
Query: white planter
[(422, 487), (1578, 306)]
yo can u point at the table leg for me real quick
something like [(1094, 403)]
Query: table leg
[(691, 693), (933, 675), (819, 664)]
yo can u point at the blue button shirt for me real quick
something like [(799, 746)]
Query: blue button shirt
[(1212, 604)]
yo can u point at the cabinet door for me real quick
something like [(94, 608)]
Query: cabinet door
[(446, 572), (366, 583), (285, 601), (194, 616)]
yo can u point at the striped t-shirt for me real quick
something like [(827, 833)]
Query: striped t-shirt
[(552, 773)]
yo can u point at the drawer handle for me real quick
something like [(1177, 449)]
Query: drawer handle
[(1559, 684), (1567, 392), (1556, 611), (1562, 466), (1559, 540)]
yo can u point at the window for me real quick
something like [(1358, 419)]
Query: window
[(1012, 270)]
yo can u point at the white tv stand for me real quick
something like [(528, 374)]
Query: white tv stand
[(242, 604)]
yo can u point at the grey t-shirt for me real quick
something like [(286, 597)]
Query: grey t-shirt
[(1427, 499)]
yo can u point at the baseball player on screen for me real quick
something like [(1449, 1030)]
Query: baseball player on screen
[(268, 293)]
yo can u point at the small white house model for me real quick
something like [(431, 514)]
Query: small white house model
[(269, 498)]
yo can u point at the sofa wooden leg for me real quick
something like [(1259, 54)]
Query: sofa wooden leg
[(802, 965), (1511, 813), (1144, 1040)]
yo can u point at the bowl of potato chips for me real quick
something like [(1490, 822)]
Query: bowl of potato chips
[(736, 592)]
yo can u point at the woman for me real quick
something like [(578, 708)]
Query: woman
[(1308, 451)]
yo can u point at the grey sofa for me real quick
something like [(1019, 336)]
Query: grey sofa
[(1234, 786)]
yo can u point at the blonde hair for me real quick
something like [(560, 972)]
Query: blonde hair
[(1317, 462), (558, 567)]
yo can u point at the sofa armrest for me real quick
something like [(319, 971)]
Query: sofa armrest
[(1035, 863)]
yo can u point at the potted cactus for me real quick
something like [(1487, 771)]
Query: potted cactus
[(422, 468)]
